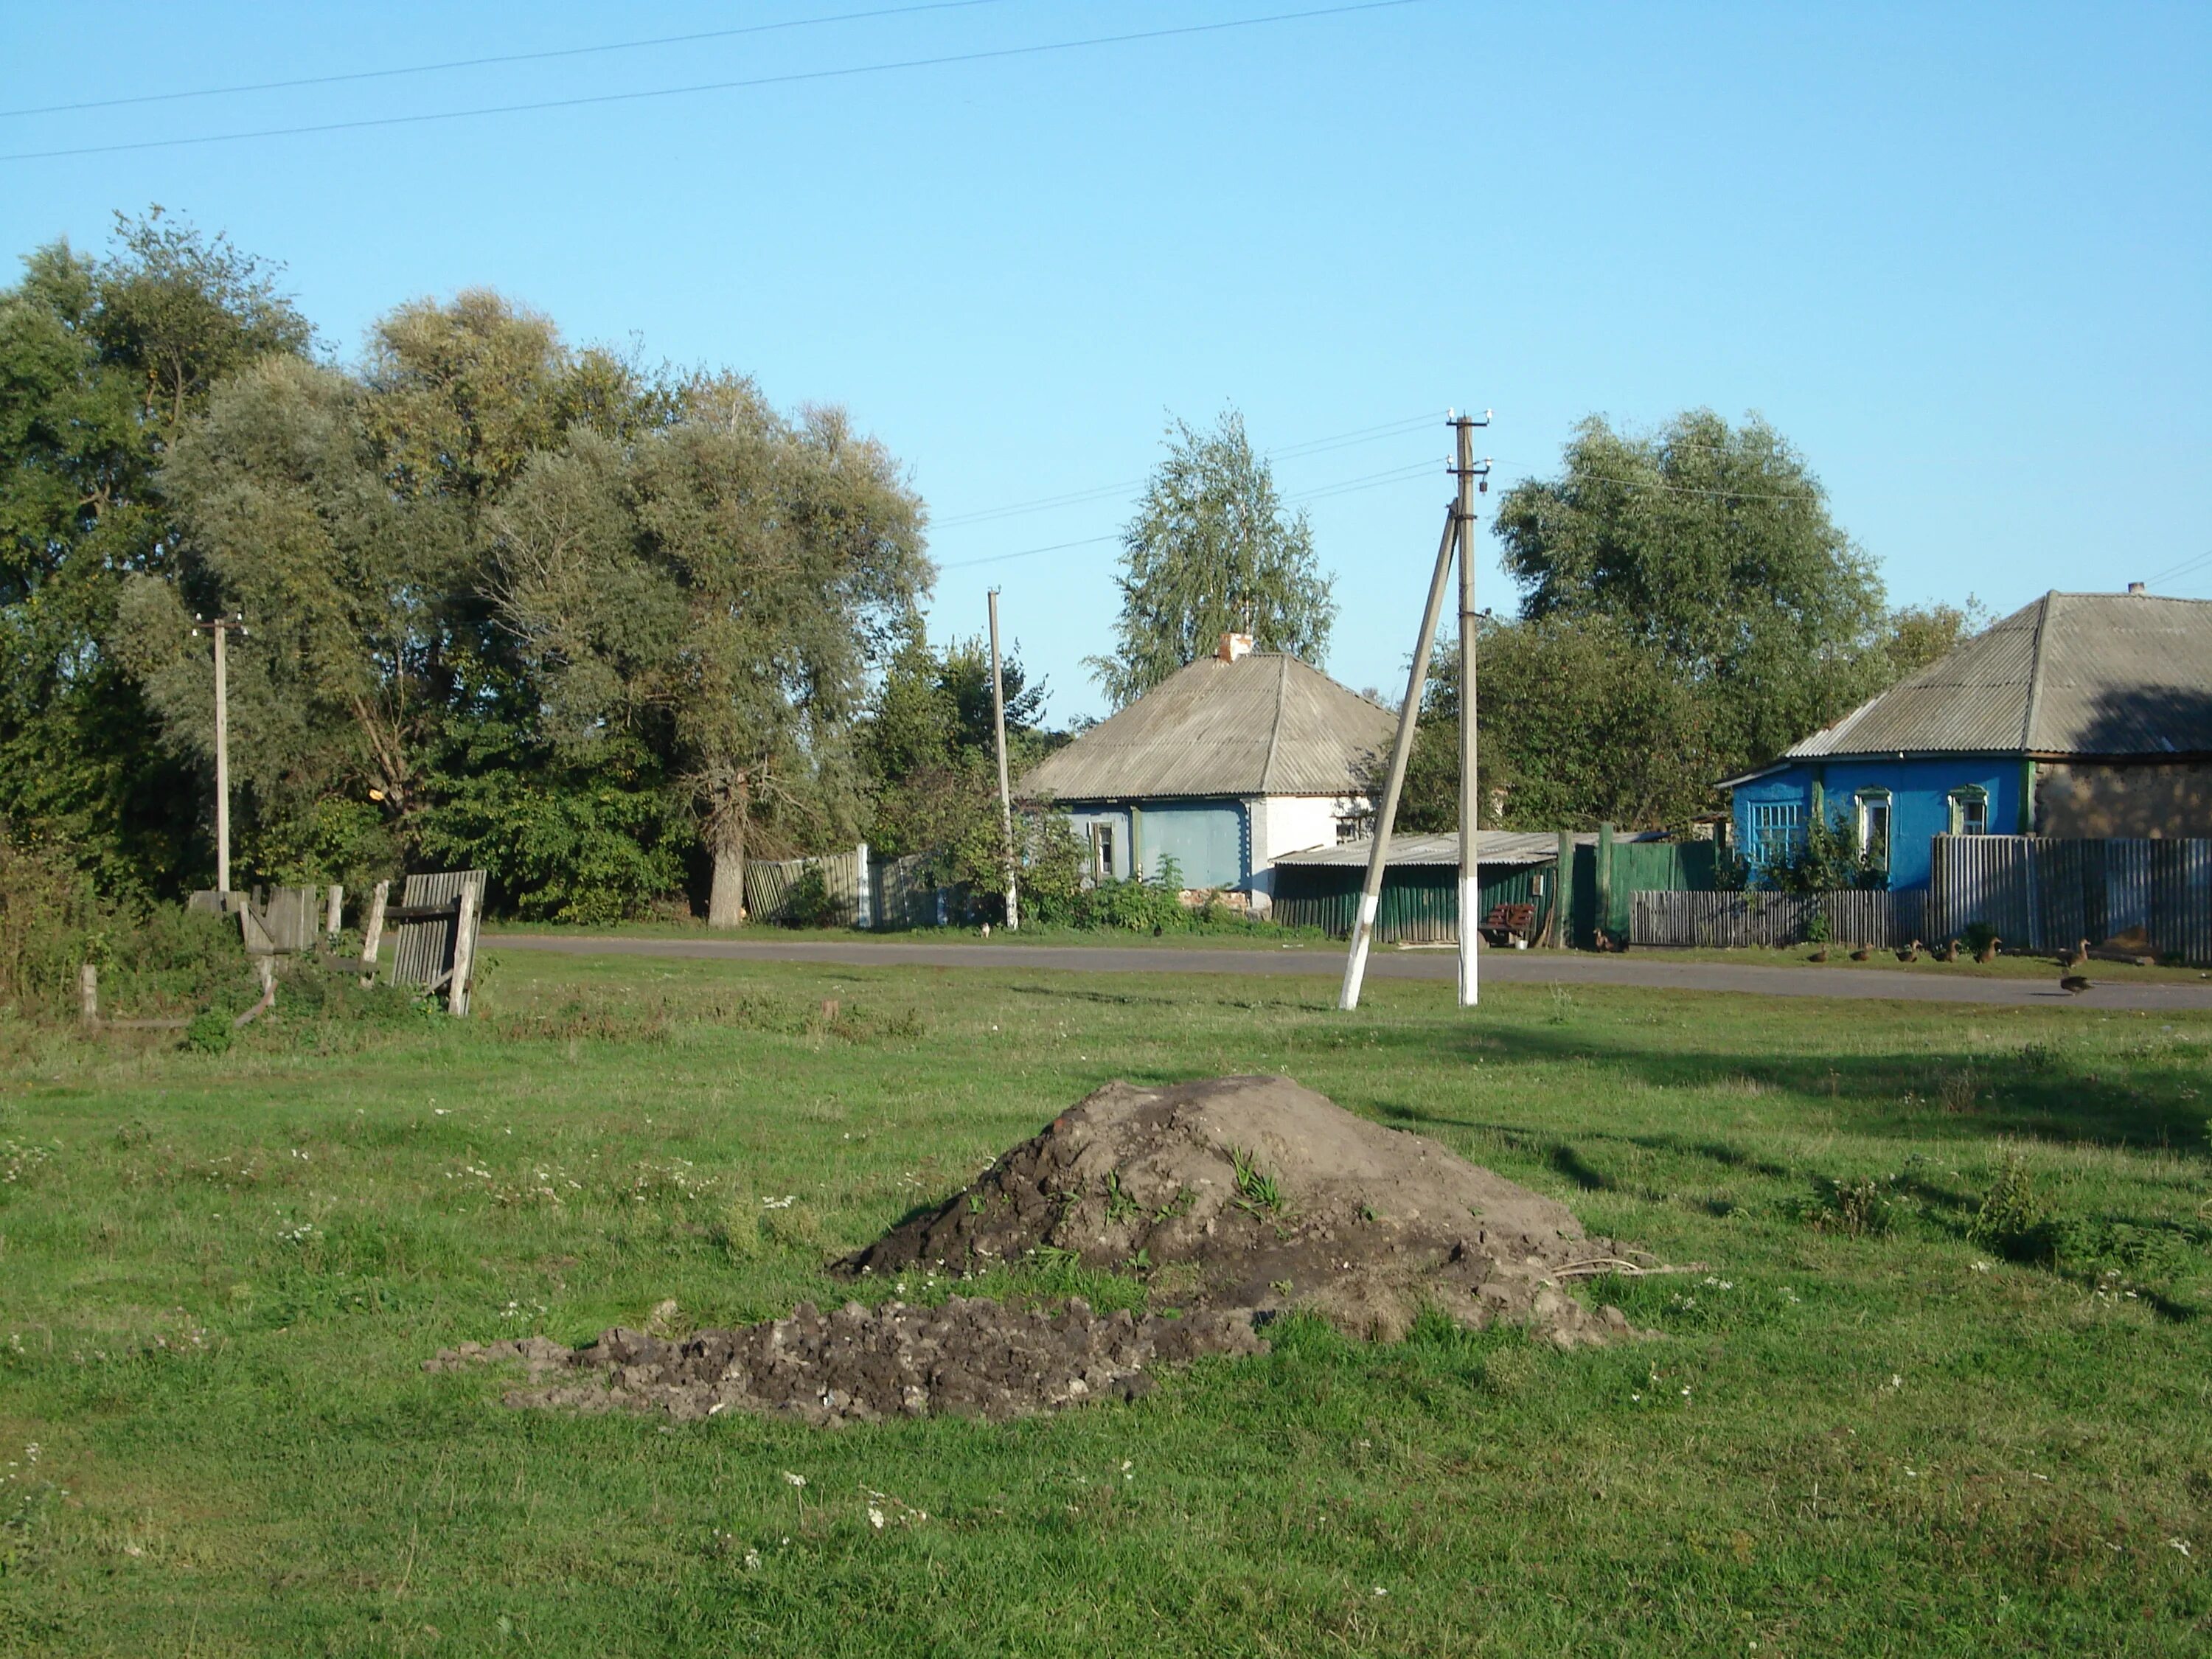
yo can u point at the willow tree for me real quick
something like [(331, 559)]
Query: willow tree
[(1212, 551), (727, 581), (288, 516)]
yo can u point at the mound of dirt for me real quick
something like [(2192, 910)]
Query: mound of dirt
[(971, 1357), (1239, 1199), (1252, 1193)]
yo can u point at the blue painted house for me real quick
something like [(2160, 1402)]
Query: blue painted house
[(2083, 714), (1232, 761)]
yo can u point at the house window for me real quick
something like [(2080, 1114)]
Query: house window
[(1102, 852), (1873, 826), (1970, 810), (1777, 827), (1353, 827)]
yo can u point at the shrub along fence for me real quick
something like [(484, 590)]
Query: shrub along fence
[(1741, 920), (2046, 893)]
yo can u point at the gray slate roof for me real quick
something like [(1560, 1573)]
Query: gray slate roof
[(1493, 846), (1264, 724), (2072, 674)]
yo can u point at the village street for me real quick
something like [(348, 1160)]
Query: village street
[(1656, 969)]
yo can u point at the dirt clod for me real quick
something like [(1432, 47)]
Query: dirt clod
[(971, 1356), (1243, 1198)]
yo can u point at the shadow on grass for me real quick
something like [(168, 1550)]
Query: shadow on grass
[(2034, 1094)]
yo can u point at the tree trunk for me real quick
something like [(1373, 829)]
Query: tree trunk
[(725, 835)]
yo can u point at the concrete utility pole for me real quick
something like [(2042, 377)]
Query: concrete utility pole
[(1472, 475), (221, 627), (1385, 810), (1005, 794)]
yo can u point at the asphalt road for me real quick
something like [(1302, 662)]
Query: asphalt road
[(1651, 969)]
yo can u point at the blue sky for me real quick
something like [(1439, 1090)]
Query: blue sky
[(1961, 256)]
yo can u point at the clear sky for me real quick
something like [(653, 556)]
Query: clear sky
[(1961, 255)]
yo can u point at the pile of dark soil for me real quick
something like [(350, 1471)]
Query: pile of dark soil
[(1238, 1198), (971, 1356), (1252, 1193)]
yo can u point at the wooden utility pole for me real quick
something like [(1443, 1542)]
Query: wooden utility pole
[(1469, 472), (1006, 793), (1385, 810), (221, 627)]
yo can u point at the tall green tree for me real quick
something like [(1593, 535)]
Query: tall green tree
[(104, 362), (930, 749), (1710, 546), (1211, 551), (766, 564), (336, 698)]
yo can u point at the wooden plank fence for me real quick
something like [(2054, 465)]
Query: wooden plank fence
[(2046, 893), (770, 884), (1742, 921)]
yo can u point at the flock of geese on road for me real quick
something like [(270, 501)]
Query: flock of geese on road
[(2069, 981)]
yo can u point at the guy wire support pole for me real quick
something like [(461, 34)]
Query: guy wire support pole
[(1386, 813), (1468, 471), (1005, 794)]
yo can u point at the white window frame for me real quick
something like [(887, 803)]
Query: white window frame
[(1869, 801), (1776, 826), (1969, 797)]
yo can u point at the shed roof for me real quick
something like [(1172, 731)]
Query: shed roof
[(1494, 846), (2112, 674), (1264, 724)]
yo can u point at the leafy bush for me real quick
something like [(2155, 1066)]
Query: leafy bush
[(809, 903), (209, 1032), (1828, 858)]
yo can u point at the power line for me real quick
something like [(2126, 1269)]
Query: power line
[(795, 77), (1685, 490), (503, 57), (1282, 451), (1028, 552), (2181, 569), (1396, 475)]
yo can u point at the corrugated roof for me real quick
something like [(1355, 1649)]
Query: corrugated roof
[(1264, 724), (1499, 847), (2072, 674)]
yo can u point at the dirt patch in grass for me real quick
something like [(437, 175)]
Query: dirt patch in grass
[(1245, 1198)]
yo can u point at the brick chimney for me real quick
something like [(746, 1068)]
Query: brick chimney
[(1234, 645)]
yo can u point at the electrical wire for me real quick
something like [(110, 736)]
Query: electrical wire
[(2181, 569), (1396, 475), (1030, 552), (1282, 451), (503, 57), (795, 77)]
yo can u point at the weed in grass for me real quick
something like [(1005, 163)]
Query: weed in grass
[(1857, 1208), (1120, 1206), (1257, 1194), (1958, 1088)]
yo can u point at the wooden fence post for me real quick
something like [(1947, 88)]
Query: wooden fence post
[(372, 931), (88, 992), (334, 918), (465, 950), (1604, 923)]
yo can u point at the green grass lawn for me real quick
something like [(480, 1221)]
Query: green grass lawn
[(219, 1277)]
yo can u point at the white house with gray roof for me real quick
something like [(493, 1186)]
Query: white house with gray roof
[(1228, 764)]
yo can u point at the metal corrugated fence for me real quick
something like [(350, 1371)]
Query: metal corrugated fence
[(1741, 920), (2043, 893), (1420, 901), (422, 952)]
